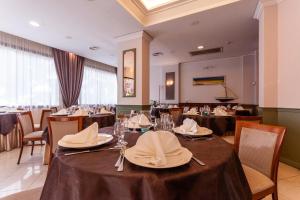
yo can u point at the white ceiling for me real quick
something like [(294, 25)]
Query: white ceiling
[(99, 22)]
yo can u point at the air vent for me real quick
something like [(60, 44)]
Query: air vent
[(157, 54), (207, 51)]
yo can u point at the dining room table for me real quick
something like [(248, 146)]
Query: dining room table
[(94, 176), (220, 125), (9, 137)]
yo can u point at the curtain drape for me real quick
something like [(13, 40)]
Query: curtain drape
[(69, 68), (98, 87), (28, 76)]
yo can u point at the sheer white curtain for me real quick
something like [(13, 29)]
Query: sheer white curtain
[(28, 75), (98, 86)]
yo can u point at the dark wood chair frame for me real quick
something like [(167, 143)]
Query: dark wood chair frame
[(280, 131), (61, 119), (22, 140)]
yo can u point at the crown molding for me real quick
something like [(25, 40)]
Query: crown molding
[(134, 36), (262, 4)]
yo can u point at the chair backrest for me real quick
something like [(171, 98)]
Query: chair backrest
[(61, 126), (54, 109), (176, 114), (185, 109), (44, 118), (259, 145), (26, 122)]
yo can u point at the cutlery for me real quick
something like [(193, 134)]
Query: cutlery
[(119, 160), (197, 138), (121, 166), (198, 161), (89, 151)]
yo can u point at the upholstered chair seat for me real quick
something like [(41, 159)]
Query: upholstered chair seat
[(258, 182), (35, 134), (258, 147)]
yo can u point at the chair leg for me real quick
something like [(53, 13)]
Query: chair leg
[(275, 194), (32, 147), (20, 155)]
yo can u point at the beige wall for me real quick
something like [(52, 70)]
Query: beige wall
[(139, 41), (240, 74), (157, 79), (289, 54)]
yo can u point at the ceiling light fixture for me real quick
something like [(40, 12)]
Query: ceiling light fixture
[(94, 48), (200, 47), (152, 4), (34, 23)]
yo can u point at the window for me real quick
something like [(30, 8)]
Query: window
[(98, 87), (27, 78)]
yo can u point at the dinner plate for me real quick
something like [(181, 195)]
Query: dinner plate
[(203, 132), (191, 113), (59, 114), (101, 139), (137, 126), (172, 161)]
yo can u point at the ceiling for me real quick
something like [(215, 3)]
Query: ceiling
[(99, 22)]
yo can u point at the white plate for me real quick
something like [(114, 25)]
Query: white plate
[(191, 113), (59, 114), (172, 161), (137, 126), (204, 131), (102, 139)]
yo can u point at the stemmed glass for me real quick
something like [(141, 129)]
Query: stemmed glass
[(135, 121), (119, 132)]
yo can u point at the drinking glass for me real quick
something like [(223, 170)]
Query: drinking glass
[(117, 133), (134, 122)]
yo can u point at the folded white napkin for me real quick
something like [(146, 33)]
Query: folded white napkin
[(189, 126), (219, 112), (86, 136), (155, 147), (81, 112), (61, 112), (192, 111), (104, 111), (170, 106), (138, 120)]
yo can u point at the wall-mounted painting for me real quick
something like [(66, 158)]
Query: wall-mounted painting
[(129, 65), (215, 80)]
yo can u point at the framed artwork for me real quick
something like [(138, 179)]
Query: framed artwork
[(215, 80), (129, 73)]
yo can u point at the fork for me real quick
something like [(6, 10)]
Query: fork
[(121, 165)]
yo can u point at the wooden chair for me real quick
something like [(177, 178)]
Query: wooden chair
[(27, 132), (43, 121), (54, 109), (254, 119), (176, 114), (258, 147), (59, 127)]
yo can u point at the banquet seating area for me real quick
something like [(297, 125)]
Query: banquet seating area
[(139, 102)]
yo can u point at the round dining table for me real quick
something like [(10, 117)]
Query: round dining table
[(91, 176), (220, 125)]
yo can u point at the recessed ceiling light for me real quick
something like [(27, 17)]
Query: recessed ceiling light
[(200, 47), (158, 54), (151, 4), (34, 24), (94, 48)]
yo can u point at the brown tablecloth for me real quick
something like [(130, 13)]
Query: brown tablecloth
[(93, 176), (220, 125), (7, 122)]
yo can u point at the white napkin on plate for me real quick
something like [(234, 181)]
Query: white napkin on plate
[(104, 111), (220, 112), (81, 112), (192, 111), (155, 147), (61, 112), (88, 135), (189, 126), (138, 120)]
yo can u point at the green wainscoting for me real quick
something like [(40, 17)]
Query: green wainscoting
[(289, 118), (125, 109)]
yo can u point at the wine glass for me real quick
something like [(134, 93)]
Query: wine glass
[(119, 133), (134, 121)]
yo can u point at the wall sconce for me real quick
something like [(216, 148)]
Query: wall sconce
[(169, 82)]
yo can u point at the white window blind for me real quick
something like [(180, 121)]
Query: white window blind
[(98, 86)]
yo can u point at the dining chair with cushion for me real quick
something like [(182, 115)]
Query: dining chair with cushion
[(176, 114), (258, 147), (27, 132), (254, 119), (59, 127), (43, 121)]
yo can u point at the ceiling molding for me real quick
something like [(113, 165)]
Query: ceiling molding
[(170, 11), (134, 36), (262, 4)]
